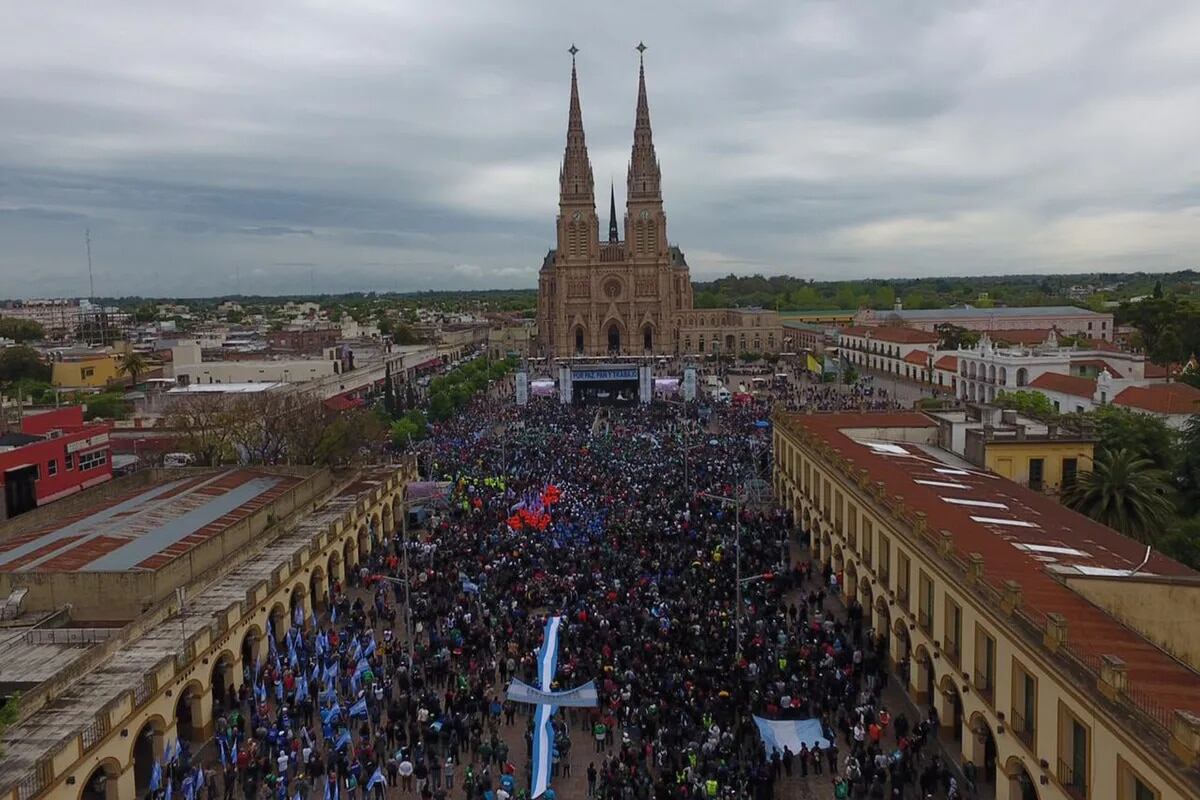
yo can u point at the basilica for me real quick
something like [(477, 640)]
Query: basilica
[(630, 294)]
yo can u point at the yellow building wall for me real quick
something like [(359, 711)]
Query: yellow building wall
[(803, 481), (95, 373), (1164, 610), (1011, 459)]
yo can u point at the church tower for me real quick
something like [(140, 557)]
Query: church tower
[(645, 222), (578, 224)]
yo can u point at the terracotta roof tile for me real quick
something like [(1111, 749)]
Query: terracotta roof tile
[(1161, 398), (1099, 363), (918, 357), (948, 363), (1065, 384), (898, 335), (1026, 336), (1156, 675)]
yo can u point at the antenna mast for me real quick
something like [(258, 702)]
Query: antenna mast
[(87, 240)]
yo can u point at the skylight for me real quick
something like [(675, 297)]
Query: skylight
[(1016, 523), (1045, 548), (949, 471), (942, 484), (980, 503), (886, 447)]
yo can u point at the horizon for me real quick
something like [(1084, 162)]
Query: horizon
[(357, 149)]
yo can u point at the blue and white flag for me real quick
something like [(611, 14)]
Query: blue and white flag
[(298, 615), (333, 615), (334, 793), (543, 730), (233, 753), (359, 709), (370, 648), (170, 789), (220, 750), (377, 779), (470, 588), (313, 616), (343, 740), (155, 777), (790, 733)]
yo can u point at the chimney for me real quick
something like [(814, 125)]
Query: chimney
[(974, 568), (1010, 600), (1056, 631), (1114, 677)]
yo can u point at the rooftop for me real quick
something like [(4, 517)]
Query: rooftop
[(1065, 384), (970, 312), (1021, 534), (896, 334), (144, 529), (1161, 398)]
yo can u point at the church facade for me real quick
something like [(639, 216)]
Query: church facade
[(631, 294)]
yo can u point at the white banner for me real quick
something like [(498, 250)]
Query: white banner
[(580, 697), (689, 384), (522, 388)]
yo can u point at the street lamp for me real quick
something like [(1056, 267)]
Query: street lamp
[(736, 502)]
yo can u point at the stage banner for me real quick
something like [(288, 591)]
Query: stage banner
[(689, 384), (522, 389)]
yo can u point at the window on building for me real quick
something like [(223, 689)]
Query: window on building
[(925, 610), (903, 581), (952, 638), (885, 560), (1131, 785), (868, 540), (1037, 474), (852, 526), (96, 458), (1070, 468), (1074, 753), (1024, 705), (52, 467), (69, 461), (985, 664), (837, 513)]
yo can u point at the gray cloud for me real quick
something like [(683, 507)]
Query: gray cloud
[(402, 146)]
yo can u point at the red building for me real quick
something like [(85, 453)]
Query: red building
[(53, 454)]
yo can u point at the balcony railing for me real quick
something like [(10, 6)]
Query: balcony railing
[(925, 620), (1023, 730), (983, 685), (902, 596), (1076, 785)]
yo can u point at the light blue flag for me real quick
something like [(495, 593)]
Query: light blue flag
[(370, 651), (343, 740), (170, 789), (359, 709), (313, 618), (155, 777), (333, 615), (377, 779)]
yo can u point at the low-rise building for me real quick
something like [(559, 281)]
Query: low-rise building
[(49, 455), (1173, 403), (189, 367), (1067, 319), (1062, 657), (903, 352), (307, 339), (84, 369), (510, 339), (1045, 457)]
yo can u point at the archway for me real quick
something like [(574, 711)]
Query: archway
[(950, 711), (318, 589), (903, 648), (1022, 376), (349, 555), (297, 612), (647, 338), (614, 338), (279, 622), (147, 750), (334, 566), (364, 543), (729, 343), (979, 748), (250, 647), (851, 579), (102, 783), (579, 340), (883, 624), (189, 716), (223, 681), (922, 679), (1021, 785)]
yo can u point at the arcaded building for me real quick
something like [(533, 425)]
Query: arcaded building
[(630, 294)]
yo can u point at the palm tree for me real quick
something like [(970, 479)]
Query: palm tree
[(133, 364), (1126, 492)]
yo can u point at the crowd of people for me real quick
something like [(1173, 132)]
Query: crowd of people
[(649, 539)]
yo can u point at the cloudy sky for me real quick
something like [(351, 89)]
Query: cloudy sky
[(274, 146)]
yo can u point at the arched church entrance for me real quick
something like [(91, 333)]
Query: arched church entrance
[(614, 338), (579, 341), (647, 338)]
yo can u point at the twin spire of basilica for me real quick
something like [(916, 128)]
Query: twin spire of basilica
[(643, 179)]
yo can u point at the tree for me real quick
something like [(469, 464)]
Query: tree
[(1141, 434), (1187, 474), (110, 405), (1027, 402), (1126, 492), (8, 713), (1158, 292), (133, 365), (20, 330), (389, 392), (203, 425), (22, 362), (952, 336)]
